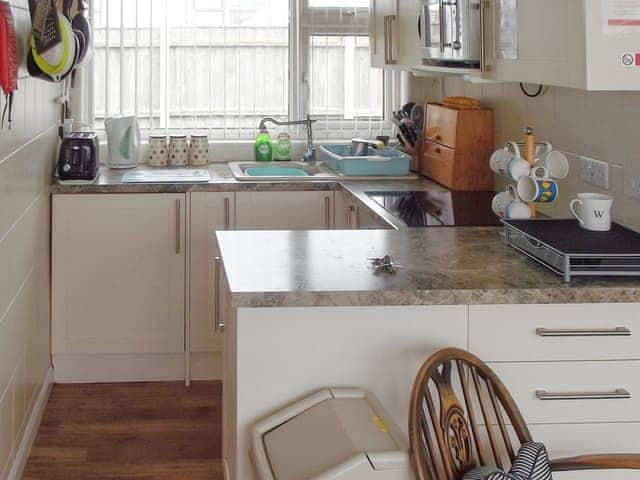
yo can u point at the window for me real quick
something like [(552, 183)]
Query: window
[(219, 66)]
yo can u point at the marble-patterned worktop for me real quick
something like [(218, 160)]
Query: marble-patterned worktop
[(443, 266), (222, 180)]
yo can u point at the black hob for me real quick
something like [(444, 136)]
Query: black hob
[(439, 209)]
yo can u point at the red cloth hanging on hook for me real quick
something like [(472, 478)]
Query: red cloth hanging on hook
[(8, 57)]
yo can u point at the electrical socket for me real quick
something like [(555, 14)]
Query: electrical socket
[(595, 172), (632, 184)]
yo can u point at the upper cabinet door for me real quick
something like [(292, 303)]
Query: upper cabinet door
[(118, 274), (410, 31), (384, 32), (210, 211), (284, 210)]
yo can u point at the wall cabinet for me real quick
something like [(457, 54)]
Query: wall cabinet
[(584, 44), (567, 43), (118, 274), (394, 39), (284, 210)]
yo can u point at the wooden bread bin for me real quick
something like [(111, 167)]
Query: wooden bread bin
[(457, 147)]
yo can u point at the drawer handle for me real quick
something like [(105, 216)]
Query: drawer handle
[(438, 150), (597, 332), (619, 394), (217, 317)]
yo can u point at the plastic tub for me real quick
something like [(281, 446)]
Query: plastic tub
[(387, 162)]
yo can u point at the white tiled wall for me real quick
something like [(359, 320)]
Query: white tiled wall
[(26, 156), (599, 125)]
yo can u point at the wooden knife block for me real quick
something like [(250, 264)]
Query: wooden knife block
[(457, 147)]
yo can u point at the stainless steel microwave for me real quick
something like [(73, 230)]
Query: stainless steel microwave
[(451, 34)]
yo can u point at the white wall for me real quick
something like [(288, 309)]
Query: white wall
[(26, 156), (599, 125)]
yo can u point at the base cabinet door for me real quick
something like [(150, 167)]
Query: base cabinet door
[(209, 212), (284, 210), (118, 274)]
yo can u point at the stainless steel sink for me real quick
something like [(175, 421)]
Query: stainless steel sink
[(270, 171)]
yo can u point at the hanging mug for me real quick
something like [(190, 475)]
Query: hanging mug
[(555, 162), (507, 205), (538, 187), (512, 165), (178, 151)]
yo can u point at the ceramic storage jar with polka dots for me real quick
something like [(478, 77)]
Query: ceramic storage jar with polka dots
[(158, 151), (199, 150), (178, 151)]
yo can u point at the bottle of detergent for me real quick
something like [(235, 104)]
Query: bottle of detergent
[(264, 147)]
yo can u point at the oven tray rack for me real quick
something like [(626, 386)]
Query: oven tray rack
[(570, 265)]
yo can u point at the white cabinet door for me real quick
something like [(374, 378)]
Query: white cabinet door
[(209, 212), (118, 274), (284, 210), (349, 214), (383, 32), (409, 53)]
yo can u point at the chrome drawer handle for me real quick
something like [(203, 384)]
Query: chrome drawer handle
[(619, 394), (596, 332), (219, 322)]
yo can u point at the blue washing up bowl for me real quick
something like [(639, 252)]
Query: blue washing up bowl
[(387, 162)]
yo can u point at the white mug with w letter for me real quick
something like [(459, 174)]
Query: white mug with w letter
[(593, 211)]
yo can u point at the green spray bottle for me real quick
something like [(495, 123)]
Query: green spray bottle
[(264, 147)]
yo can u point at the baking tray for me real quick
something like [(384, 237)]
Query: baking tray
[(568, 250)]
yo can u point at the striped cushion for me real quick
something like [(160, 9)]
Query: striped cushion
[(531, 463)]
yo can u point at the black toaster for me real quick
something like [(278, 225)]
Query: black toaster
[(79, 157)]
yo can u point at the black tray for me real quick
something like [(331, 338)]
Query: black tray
[(567, 237), (568, 250)]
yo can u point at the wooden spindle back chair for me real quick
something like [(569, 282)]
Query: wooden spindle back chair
[(462, 416)]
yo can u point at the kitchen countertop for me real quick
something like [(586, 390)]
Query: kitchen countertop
[(443, 266), (222, 180)]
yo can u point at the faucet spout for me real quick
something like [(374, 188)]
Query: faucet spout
[(309, 154)]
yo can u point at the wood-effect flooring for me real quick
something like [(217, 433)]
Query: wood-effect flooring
[(130, 431)]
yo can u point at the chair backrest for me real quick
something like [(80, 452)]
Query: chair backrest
[(461, 417)]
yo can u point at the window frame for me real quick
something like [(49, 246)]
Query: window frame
[(300, 14)]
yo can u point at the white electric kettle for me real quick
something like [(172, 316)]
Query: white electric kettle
[(123, 137)]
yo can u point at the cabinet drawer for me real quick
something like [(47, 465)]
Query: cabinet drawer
[(505, 333), (587, 439), (442, 125), (526, 381), (438, 163)]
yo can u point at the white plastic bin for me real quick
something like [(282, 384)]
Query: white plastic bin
[(335, 434)]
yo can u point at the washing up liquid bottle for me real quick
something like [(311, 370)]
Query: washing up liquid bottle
[(264, 147), (282, 148)]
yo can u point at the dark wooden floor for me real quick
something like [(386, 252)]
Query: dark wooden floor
[(132, 431)]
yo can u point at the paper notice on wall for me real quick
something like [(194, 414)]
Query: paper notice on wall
[(622, 13)]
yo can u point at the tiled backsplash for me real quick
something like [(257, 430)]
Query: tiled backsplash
[(26, 156), (598, 125)]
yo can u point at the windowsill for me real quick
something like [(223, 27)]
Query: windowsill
[(225, 151)]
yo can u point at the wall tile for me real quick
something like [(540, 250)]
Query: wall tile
[(27, 154), (601, 125)]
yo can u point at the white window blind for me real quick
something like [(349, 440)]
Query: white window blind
[(218, 66)]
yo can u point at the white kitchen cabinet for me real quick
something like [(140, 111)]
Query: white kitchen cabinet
[(568, 43), (394, 39), (291, 210), (350, 214), (384, 33), (118, 274), (210, 211)]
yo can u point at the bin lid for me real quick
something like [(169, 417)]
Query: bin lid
[(334, 432)]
